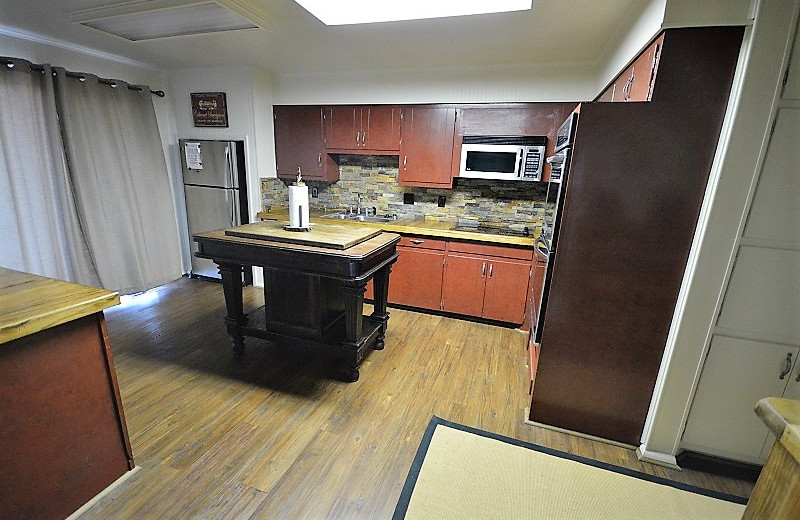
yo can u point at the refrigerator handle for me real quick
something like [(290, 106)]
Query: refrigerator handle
[(229, 167)]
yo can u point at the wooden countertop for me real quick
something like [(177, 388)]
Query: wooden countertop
[(31, 303), (420, 227), (782, 416), (357, 251)]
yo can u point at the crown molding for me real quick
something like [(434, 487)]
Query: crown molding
[(46, 40)]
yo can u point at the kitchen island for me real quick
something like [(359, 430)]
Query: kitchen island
[(314, 285), (62, 428)]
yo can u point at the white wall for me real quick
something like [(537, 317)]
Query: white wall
[(496, 84), (248, 96)]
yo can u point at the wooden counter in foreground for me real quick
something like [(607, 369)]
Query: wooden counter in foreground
[(62, 428), (777, 492)]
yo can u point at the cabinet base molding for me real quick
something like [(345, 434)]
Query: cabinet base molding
[(114, 485), (575, 433), (656, 457)]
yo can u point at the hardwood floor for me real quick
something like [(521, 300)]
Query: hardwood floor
[(274, 435)]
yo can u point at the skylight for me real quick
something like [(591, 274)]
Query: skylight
[(348, 12)]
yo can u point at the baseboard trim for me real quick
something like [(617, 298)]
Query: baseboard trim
[(577, 434), (85, 507), (658, 458)]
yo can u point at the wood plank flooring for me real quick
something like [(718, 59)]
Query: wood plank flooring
[(274, 435)]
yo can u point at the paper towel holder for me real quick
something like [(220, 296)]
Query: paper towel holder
[(304, 224)]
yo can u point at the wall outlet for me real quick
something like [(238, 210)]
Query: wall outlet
[(441, 200), (408, 198), (314, 192)]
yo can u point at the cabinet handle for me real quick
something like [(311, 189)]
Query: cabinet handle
[(358, 137), (405, 159), (363, 138), (788, 367), (483, 270), (490, 270), (416, 241), (319, 159)]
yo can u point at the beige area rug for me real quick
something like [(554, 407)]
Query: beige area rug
[(464, 473)]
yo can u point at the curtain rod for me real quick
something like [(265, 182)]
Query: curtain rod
[(82, 77)]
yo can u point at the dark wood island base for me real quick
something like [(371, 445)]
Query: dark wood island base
[(314, 295)]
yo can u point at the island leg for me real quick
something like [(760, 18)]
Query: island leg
[(353, 343), (380, 284), (236, 318)]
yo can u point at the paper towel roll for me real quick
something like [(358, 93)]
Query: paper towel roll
[(298, 206)]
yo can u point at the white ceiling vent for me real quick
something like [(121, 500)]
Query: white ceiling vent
[(150, 19)]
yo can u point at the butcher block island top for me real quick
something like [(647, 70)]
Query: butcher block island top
[(322, 234), (30, 303)]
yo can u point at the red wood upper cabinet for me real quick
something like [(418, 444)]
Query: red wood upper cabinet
[(300, 143), (426, 146), (367, 129), (380, 128), (636, 82), (506, 290), (341, 130)]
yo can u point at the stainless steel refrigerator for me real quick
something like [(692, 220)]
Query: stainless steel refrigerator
[(215, 188)]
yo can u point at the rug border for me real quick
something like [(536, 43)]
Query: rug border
[(416, 465)]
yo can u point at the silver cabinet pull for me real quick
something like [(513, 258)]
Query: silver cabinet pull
[(416, 241), (788, 367), (319, 159), (490, 270), (405, 160), (483, 270)]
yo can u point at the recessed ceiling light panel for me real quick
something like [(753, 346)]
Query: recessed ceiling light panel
[(176, 18), (347, 12)]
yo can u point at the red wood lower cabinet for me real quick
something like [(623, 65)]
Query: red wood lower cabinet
[(416, 278), (506, 288), (464, 283)]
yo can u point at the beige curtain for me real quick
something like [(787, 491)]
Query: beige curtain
[(122, 191), (39, 228)]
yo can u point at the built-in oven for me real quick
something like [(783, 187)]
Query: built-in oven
[(547, 244)]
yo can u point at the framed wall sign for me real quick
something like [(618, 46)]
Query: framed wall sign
[(209, 109)]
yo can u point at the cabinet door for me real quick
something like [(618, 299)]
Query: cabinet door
[(416, 278), (426, 146), (381, 127), (300, 143), (608, 94), (506, 290), (342, 127), (737, 373), (643, 73), (776, 206), (464, 281)]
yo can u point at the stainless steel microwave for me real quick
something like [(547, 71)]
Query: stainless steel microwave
[(497, 157)]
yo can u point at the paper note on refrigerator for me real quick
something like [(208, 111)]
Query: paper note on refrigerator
[(194, 156)]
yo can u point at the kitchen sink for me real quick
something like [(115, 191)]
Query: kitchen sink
[(359, 218)]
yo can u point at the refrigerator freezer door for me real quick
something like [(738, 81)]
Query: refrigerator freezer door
[(217, 163), (208, 209)]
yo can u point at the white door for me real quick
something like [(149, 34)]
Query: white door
[(736, 375)]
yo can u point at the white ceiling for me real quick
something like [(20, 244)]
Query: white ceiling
[(294, 41)]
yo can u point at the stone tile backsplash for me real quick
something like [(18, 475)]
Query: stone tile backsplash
[(373, 179)]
